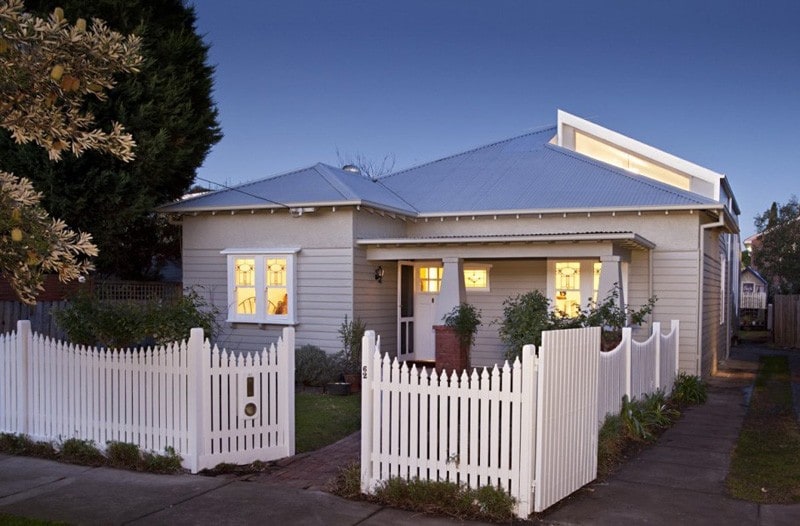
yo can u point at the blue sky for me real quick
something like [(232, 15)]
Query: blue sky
[(714, 82)]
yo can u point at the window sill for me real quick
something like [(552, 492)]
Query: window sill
[(271, 321)]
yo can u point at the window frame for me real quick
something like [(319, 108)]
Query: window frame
[(586, 279), (261, 255), (478, 266)]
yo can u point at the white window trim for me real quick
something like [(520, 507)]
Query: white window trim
[(479, 266), (261, 254), (587, 279)]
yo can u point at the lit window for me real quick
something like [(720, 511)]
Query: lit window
[(476, 278), (261, 286), (568, 287), (430, 279), (608, 153)]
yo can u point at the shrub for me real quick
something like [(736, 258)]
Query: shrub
[(83, 452), (464, 320), (350, 334), (23, 445), (525, 316), (689, 390), (657, 412), (167, 463), (610, 445), (347, 483), (447, 498), (123, 455), (114, 324), (314, 367)]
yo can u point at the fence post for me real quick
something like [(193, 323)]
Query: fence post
[(676, 326), (626, 348), (24, 344), (527, 432), (286, 395), (367, 381), (195, 381), (657, 334)]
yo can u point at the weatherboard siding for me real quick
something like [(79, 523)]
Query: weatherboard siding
[(675, 282), (376, 303), (507, 279), (324, 271)]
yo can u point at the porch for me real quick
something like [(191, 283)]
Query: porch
[(436, 274)]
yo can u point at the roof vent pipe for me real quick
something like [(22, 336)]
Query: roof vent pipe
[(351, 168)]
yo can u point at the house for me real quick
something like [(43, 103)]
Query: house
[(570, 210), (752, 298)]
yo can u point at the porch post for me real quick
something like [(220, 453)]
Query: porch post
[(610, 276), (453, 291)]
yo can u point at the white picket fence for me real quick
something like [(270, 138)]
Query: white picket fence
[(529, 427), (209, 405), (637, 368)]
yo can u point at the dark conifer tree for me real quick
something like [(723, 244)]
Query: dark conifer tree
[(167, 107)]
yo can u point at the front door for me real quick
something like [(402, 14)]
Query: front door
[(417, 292), (405, 312), (427, 282)]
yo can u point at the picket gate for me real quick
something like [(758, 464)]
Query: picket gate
[(206, 404)]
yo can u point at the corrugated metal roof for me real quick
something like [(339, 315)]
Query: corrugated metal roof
[(528, 173), (518, 174), (315, 185)]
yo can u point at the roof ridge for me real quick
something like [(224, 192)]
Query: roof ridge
[(652, 183), (344, 189), (540, 130)]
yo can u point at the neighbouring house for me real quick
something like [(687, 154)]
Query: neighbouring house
[(570, 210), (752, 299)]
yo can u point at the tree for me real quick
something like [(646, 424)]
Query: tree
[(167, 108), (776, 255), (366, 166), (48, 68)]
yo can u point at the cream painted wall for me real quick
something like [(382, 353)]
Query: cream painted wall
[(335, 277), (324, 270)]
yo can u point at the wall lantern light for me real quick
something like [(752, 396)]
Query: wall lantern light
[(379, 274)]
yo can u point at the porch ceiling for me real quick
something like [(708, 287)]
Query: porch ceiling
[(574, 244)]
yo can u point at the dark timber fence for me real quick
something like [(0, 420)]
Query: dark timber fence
[(786, 328), (41, 315)]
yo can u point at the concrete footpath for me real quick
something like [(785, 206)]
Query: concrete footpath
[(679, 479)]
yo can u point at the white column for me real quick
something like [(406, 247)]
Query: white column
[(453, 291), (610, 276)]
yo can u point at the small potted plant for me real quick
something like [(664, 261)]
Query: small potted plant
[(455, 337), (464, 320)]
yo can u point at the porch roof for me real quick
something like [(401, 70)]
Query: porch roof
[(389, 248)]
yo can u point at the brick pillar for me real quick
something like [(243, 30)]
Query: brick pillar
[(451, 355)]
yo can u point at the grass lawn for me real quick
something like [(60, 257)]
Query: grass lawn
[(766, 462), (322, 419)]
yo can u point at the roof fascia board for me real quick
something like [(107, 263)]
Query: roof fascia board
[(561, 211), (637, 147), (540, 238), (165, 209), (538, 250)]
